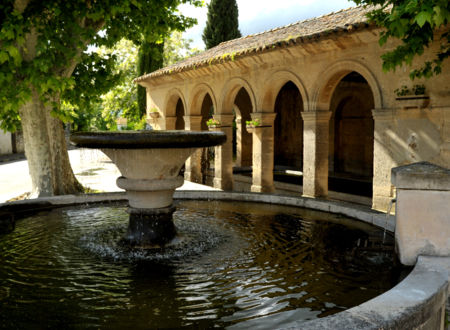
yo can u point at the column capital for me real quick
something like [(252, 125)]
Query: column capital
[(170, 123), (265, 118), (224, 119), (316, 116), (383, 114), (192, 123)]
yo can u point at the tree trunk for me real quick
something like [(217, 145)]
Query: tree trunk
[(46, 151)]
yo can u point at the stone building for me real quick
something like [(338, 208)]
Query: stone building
[(326, 108)]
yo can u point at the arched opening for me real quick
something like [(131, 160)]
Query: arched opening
[(207, 110), (242, 140), (352, 136), (207, 161), (179, 113), (288, 135)]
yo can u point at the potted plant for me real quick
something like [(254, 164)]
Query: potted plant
[(252, 124), (213, 123), (412, 98), (154, 113)]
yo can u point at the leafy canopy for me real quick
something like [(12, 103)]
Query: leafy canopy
[(103, 107), (56, 61), (416, 23)]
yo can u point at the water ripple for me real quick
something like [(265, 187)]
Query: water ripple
[(234, 264)]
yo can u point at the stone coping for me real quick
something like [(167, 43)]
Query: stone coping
[(147, 139), (359, 212), (421, 176), (416, 302)]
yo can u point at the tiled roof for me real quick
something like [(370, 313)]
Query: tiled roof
[(300, 32)]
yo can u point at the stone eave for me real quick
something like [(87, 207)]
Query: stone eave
[(228, 52), (169, 74)]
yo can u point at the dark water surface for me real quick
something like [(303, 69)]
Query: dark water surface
[(236, 264)]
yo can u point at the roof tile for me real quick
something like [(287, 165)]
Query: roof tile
[(302, 31)]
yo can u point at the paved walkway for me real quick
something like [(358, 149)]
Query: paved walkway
[(92, 168)]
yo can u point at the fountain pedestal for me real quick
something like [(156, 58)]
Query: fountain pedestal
[(150, 163)]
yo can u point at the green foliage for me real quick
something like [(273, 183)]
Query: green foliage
[(56, 64), (121, 101), (222, 23), (101, 111), (415, 90), (416, 23), (176, 48), (150, 58), (212, 122), (253, 123)]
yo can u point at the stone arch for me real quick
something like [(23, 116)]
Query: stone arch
[(351, 132), (273, 86), (171, 102), (231, 90), (330, 78), (198, 94), (238, 98)]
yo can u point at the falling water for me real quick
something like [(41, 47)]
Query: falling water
[(388, 213)]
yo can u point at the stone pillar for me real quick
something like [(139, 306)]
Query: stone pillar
[(162, 123), (170, 123), (193, 170), (422, 211), (383, 160), (315, 153), (239, 130), (223, 155), (243, 144), (263, 144)]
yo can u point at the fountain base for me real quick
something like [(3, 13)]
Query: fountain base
[(150, 228)]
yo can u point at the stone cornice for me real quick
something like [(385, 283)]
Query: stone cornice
[(316, 116)]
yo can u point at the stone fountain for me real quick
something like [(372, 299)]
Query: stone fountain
[(150, 163)]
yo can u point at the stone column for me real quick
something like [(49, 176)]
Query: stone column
[(239, 130), (244, 144), (193, 170), (315, 153), (383, 160), (263, 144), (170, 123), (223, 155)]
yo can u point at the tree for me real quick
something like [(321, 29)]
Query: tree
[(176, 48), (222, 23), (150, 58), (99, 112), (416, 23), (42, 44)]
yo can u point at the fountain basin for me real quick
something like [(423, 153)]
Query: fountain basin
[(235, 263), (150, 163), (424, 289)]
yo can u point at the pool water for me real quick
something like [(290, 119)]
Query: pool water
[(243, 265)]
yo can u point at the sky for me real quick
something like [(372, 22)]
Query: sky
[(261, 15)]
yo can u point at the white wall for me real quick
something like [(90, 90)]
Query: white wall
[(5, 143)]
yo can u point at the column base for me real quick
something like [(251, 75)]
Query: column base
[(150, 228), (222, 184), (262, 189)]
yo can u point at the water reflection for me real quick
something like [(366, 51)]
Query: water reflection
[(237, 264)]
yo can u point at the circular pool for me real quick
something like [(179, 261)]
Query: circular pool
[(233, 264)]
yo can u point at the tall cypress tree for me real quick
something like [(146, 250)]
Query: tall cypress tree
[(222, 23), (150, 58)]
